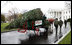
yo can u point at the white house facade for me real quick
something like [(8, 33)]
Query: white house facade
[(63, 13), (66, 13), (57, 13)]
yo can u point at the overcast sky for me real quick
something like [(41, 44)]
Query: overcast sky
[(29, 5)]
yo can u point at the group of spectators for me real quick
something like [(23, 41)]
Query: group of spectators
[(60, 23)]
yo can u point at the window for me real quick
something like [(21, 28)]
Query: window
[(69, 16), (66, 12), (55, 13), (50, 12), (69, 11), (66, 17), (60, 13)]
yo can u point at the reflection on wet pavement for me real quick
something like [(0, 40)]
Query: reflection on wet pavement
[(15, 37)]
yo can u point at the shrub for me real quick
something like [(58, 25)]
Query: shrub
[(2, 17), (68, 20)]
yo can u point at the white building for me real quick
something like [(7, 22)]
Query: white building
[(57, 13), (66, 13), (63, 13)]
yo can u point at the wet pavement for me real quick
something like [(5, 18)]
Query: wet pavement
[(15, 37)]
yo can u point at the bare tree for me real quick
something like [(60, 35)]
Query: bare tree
[(13, 12), (4, 3), (68, 4)]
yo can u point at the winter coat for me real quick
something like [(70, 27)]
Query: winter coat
[(55, 23), (60, 23)]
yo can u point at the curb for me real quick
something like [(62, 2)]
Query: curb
[(8, 31), (62, 37)]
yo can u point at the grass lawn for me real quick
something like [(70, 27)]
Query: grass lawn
[(67, 39), (3, 25)]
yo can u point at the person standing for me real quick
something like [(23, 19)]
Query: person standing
[(65, 22), (51, 22), (47, 24), (56, 25), (60, 24)]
